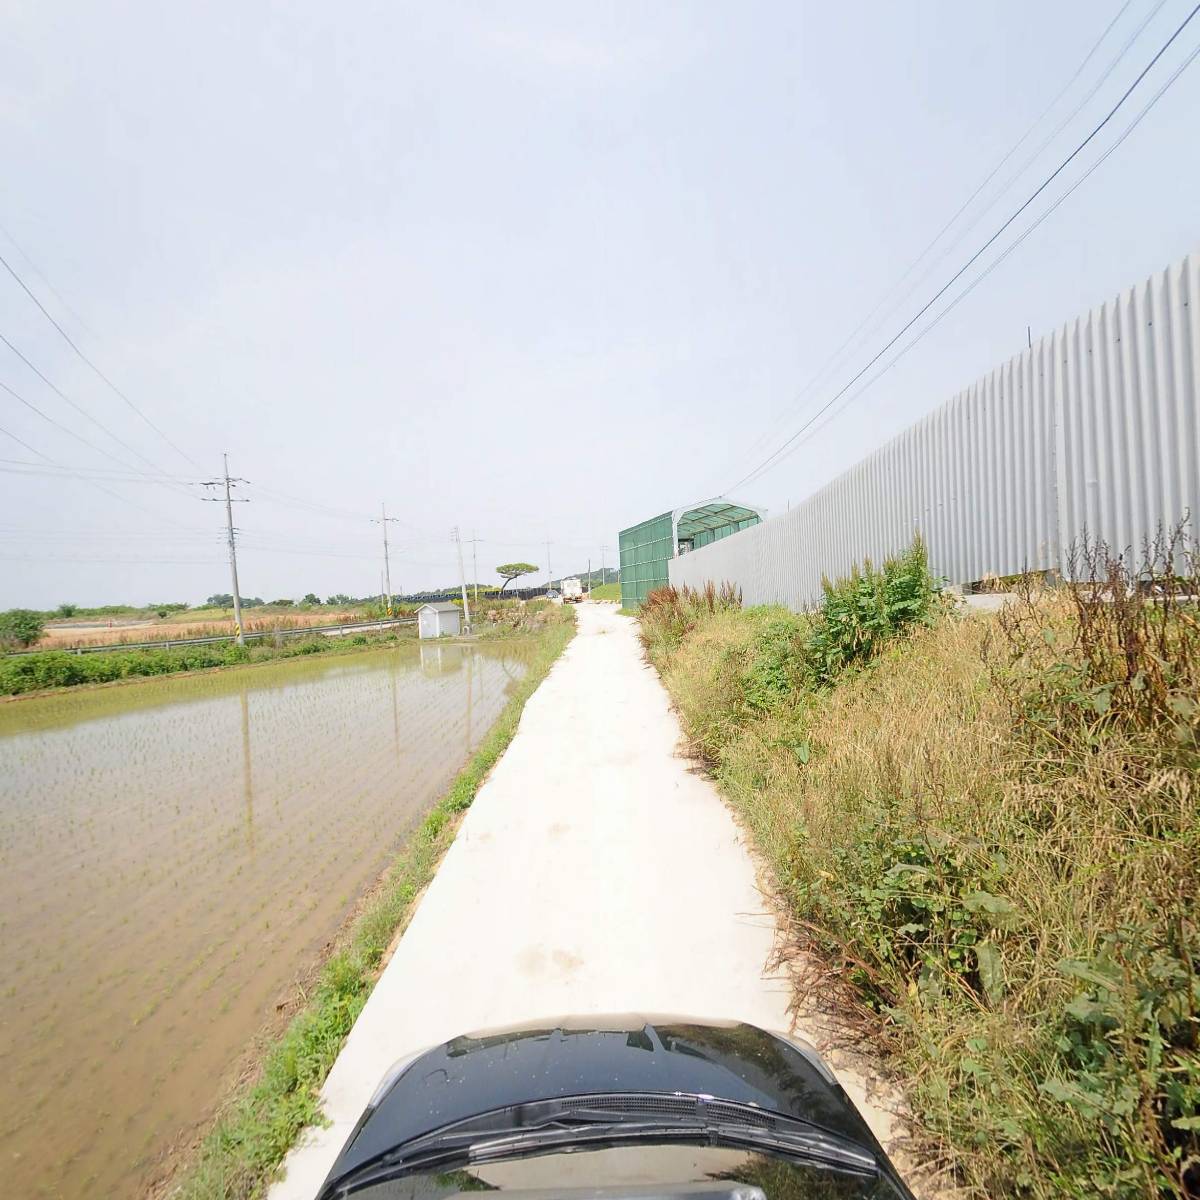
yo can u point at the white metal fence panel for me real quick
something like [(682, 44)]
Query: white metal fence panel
[(1093, 429)]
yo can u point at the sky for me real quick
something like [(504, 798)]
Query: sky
[(538, 271)]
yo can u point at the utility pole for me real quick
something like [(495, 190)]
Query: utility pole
[(229, 503), (462, 579), (549, 573), (475, 564), (589, 578), (387, 566)]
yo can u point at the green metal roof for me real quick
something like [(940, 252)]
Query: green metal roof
[(708, 514), (714, 515)]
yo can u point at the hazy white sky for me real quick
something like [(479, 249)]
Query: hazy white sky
[(539, 270)]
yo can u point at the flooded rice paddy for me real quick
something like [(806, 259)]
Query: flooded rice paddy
[(173, 855)]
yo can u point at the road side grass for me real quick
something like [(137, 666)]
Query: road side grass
[(988, 828), (607, 591), (242, 1153)]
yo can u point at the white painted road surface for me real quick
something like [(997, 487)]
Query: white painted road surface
[(597, 871)]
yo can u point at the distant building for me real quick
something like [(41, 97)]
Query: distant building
[(439, 619), (648, 547)]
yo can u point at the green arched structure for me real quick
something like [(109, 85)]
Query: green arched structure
[(647, 547)]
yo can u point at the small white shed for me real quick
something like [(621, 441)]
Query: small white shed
[(439, 619)]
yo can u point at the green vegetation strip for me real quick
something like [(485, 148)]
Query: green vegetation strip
[(239, 1157), (53, 669), (987, 829)]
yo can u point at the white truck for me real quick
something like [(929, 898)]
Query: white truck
[(572, 591)]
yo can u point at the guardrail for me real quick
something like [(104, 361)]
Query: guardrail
[(512, 593), (172, 643)]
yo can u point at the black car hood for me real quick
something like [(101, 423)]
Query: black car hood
[(476, 1074)]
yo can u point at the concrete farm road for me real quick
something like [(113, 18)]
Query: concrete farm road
[(597, 871)]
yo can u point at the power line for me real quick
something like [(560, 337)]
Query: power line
[(94, 535), (1001, 258), (261, 541), (27, 446), (91, 482), (107, 473), (261, 549), (59, 425), (754, 474), (868, 323), (83, 413), (539, 542), (300, 501), (71, 342), (48, 285), (134, 504), (284, 550), (26, 558), (1020, 171), (285, 540)]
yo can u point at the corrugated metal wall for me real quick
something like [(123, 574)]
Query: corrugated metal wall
[(1094, 428)]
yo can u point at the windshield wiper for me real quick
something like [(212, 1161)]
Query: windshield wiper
[(580, 1127)]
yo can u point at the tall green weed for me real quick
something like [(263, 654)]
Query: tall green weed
[(860, 614)]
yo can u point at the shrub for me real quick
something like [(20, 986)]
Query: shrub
[(66, 610), (59, 668), (779, 660), (859, 614), (296, 648), (21, 626), (32, 671)]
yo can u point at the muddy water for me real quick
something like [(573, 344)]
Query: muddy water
[(173, 854)]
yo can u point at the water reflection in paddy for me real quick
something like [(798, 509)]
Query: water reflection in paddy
[(172, 855)]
